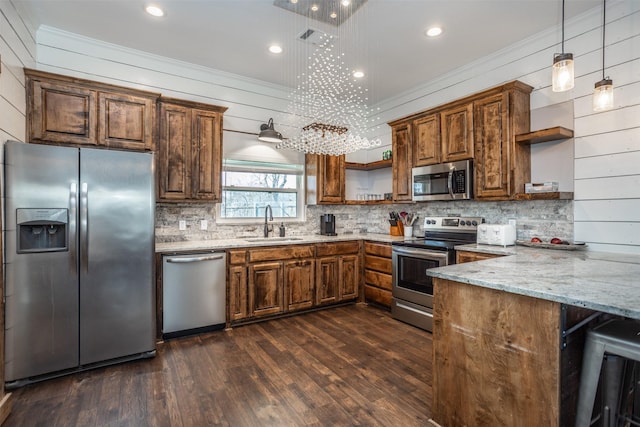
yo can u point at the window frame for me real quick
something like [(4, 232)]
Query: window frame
[(233, 165)]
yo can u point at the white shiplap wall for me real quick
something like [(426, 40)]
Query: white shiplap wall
[(607, 206), (17, 50)]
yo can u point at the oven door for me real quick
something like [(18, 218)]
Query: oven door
[(410, 280)]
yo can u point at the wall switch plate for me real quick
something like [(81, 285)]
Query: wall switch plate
[(512, 222), (203, 224), (182, 225)]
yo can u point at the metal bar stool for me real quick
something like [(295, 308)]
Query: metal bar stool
[(617, 339)]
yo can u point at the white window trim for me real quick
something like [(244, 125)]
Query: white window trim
[(300, 185)]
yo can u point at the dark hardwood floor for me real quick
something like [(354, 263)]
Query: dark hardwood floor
[(345, 366)]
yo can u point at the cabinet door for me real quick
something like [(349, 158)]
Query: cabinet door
[(206, 155), (61, 113), (492, 149), (126, 121), (349, 276), (265, 289), (457, 133), (331, 171), (299, 284), (402, 162), (426, 144), (327, 280), (174, 152), (238, 301)]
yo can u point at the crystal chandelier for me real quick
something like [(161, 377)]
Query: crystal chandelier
[(328, 106)]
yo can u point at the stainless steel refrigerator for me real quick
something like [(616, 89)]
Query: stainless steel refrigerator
[(79, 259)]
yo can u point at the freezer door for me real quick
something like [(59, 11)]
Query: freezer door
[(41, 287), (117, 292)]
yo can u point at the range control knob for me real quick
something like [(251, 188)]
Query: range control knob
[(474, 223)]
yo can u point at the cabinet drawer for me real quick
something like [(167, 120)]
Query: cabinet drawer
[(377, 263), (380, 249), (340, 248), (467, 256), (237, 257), (280, 253), (377, 279)]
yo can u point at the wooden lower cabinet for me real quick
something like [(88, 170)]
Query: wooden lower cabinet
[(266, 296), (238, 292), (299, 283), (269, 281), (327, 275), (377, 273), (504, 359), (348, 277)]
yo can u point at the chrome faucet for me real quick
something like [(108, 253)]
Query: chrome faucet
[(266, 227)]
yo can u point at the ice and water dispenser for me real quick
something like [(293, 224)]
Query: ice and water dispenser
[(42, 230)]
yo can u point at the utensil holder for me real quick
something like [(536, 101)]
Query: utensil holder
[(397, 230)]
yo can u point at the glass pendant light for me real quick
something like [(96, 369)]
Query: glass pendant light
[(603, 92), (563, 76)]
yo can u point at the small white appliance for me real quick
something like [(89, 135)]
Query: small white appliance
[(497, 234)]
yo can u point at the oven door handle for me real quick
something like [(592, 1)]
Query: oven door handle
[(421, 253)]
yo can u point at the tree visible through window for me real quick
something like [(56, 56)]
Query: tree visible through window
[(248, 187)]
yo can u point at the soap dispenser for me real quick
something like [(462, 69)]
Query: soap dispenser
[(282, 229)]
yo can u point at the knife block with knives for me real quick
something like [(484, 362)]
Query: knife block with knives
[(396, 227)]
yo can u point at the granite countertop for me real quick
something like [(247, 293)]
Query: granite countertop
[(600, 281), (221, 244)]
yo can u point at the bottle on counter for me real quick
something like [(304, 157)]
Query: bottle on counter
[(282, 229)]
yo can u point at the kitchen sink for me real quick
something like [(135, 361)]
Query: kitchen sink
[(273, 239)]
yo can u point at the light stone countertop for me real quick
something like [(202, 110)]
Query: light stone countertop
[(221, 244), (600, 281)]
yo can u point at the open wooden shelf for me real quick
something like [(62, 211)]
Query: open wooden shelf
[(545, 135), (368, 202), (557, 195), (380, 164)]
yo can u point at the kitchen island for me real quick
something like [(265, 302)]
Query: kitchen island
[(509, 332)]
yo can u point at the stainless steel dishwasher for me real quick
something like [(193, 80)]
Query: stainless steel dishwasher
[(193, 293)]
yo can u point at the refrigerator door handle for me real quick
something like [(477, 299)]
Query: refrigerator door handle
[(73, 208), (84, 226)]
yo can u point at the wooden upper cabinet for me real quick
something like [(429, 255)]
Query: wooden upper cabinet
[(426, 144), (402, 162), (325, 179), (126, 121), (206, 154), (64, 110), (189, 151), (457, 133), (61, 113), (502, 166)]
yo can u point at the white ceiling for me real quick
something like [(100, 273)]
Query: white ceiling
[(385, 38)]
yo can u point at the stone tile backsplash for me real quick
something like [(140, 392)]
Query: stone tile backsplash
[(541, 218)]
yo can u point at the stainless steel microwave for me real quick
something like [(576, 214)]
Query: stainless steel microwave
[(445, 181)]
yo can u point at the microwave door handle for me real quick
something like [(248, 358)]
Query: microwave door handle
[(450, 181)]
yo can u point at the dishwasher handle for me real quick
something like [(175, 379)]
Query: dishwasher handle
[(194, 259)]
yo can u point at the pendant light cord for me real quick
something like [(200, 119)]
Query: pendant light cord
[(604, 21), (562, 26)]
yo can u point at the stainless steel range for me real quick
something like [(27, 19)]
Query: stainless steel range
[(412, 288)]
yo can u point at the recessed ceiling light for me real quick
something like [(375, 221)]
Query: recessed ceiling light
[(346, 3), (434, 31), (294, 1), (274, 48), (358, 74), (333, 15), (315, 8), (154, 10)]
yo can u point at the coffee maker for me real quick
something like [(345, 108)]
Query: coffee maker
[(328, 225)]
